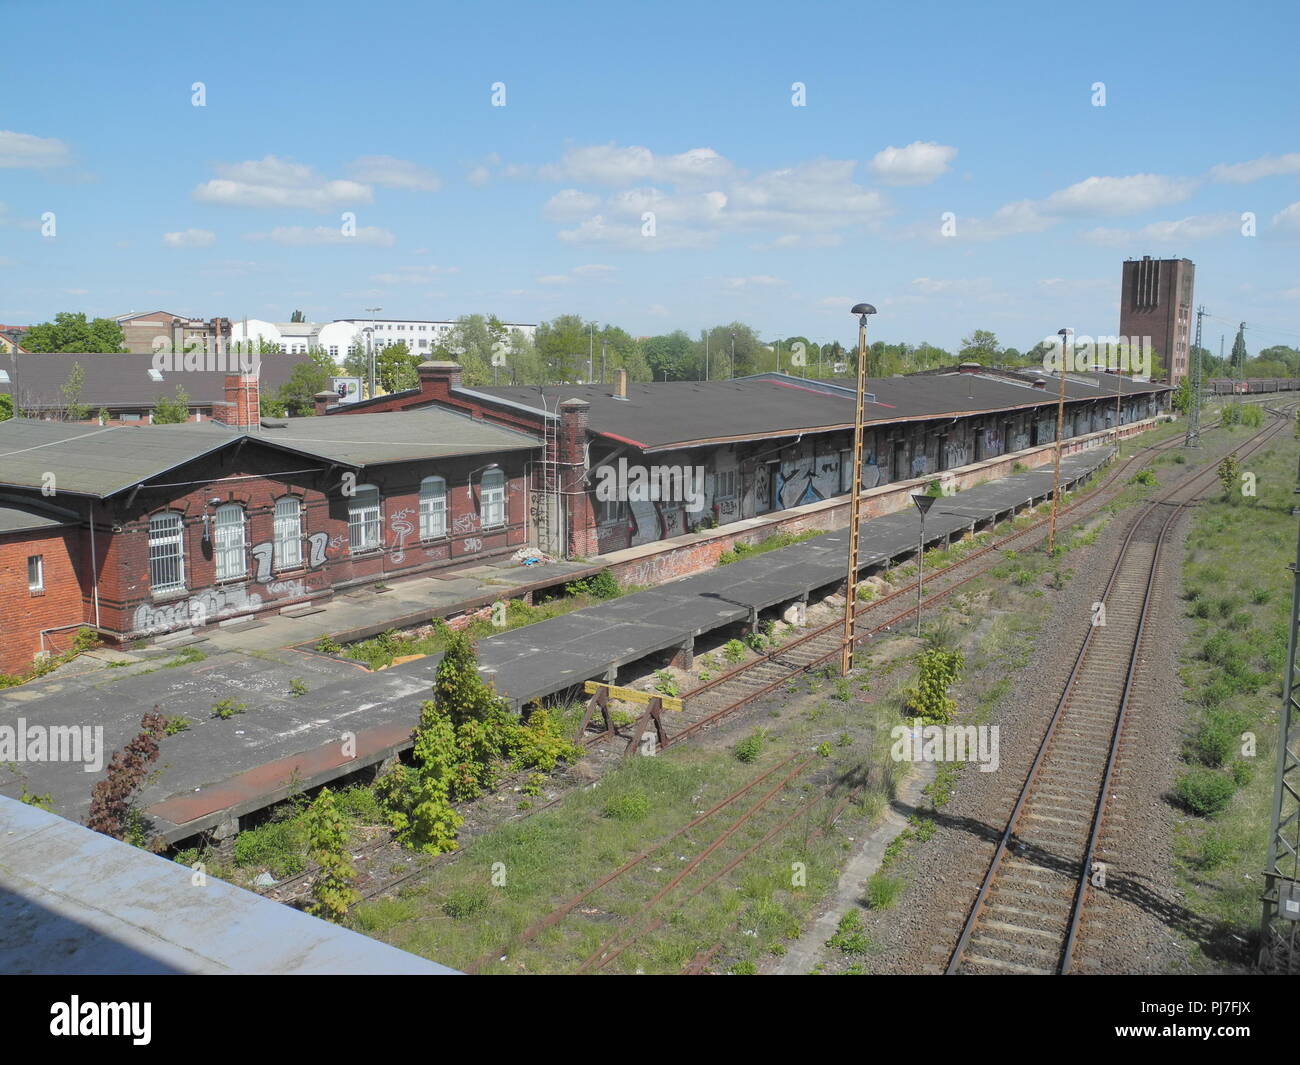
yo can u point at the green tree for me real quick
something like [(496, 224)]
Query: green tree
[(981, 346), (73, 409), (327, 841), (396, 368), (564, 345), (71, 332), (172, 411), (671, 357), (1238, 356), (297, 316), (1182, 398), (6, 407), (297, 396)]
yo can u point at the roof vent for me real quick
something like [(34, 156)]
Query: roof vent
[(155, 374)]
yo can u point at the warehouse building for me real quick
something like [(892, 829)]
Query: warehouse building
[(759, 444), (140, 531)]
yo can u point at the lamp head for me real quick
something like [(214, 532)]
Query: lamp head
[(863, 308)]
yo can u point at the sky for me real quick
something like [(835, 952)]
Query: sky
[(655, 166)]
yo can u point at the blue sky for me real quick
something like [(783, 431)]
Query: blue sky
[(777, 215)]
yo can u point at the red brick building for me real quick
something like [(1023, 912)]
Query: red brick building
[(169, 527)]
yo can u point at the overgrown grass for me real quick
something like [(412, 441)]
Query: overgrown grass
[(781, 539)]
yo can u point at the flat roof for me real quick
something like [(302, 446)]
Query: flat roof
[(76, 902), (124, 379), (100, 461), (667, 415)]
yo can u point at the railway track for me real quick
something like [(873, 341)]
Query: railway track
[(736, 688), (1028, 912)]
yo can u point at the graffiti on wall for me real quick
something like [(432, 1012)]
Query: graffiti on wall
[(199, 609), (403, 525)]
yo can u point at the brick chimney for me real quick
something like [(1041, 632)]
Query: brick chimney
[(437, 379), (620, 383), (572, 462), (242, 407), (321, 400)]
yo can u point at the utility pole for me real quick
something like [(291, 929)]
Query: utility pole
[(923, 504), (859, 417), (1193, 438), (1064, 334), (1279, 944)]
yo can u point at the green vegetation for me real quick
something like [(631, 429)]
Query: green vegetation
[(227, 708), (297, 687), (85, 640), (327, 840), (771, 543), (928, 698), (849, 936), (173, 725), (601, 585), (748, 749)]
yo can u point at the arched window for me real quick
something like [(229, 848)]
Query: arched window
[(493, 507), (433, 508), (229, 542), (166, 553), (364, 519), (288, 533)]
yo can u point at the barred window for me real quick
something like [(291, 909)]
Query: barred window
[(166, 553), (364, 519), (288, 533), (232, 559), (494, 499), (433, 508)]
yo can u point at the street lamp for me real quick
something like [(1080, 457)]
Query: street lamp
[(850, 588), (923, 503), (732, 373), (1065, 335), (370, 349)]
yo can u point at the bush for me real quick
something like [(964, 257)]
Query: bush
[(630, 806), (602, 585), (1204, 792), (733, 650), (928, 699), (883, 891), (849, 937), (748, 749)]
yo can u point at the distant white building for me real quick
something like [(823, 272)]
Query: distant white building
[(421, 336)]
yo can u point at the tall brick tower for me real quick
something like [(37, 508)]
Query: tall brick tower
[(1156, 300)]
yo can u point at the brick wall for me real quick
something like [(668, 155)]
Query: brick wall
[(22, 614)]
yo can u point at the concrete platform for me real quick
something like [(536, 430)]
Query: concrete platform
[(352, 718)]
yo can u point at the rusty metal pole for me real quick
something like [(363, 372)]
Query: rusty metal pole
[(850, 587), (1064, 334)]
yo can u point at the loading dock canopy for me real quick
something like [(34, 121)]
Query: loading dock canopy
[(667, 415)]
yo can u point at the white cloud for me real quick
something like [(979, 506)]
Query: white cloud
[(568, 205), (817, 195), (27, 151), (1254, 169), (312, 236), (754, 281), (414, 275), (801, 240), (610, 164), (1119, 195), (594, 270), (275, 182), (1288, 219), (628, 236), (554, 279), (394, 173), (920, 163), (190, 238), (1194, 227)]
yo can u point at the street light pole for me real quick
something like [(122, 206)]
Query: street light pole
[(1064, 334), (859, 416), (923, 503)]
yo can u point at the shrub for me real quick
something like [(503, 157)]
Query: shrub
[(602, 585), (227, 708), (748, 749), (849, 936), (327, 841), (630, 806), (297, 687), (111, 802), (733, 650), (327, 645), (173, 725), (1144, 477), (1204, 792), (665, 684), (928, 699)]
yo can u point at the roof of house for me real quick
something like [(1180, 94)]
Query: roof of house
[(123, 380), (100, 461), (1079, 384), (25, 515), (674, 414)]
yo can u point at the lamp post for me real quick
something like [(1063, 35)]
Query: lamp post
[(1065, 335), (732, 372), (370, 349), (850, 587), (923, 503)]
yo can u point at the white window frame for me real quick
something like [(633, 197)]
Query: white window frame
[(492, 499), (230, 542), (724, 484), (166, 549), (288, 533), (36, 574), (365, 521), (433, 508)]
